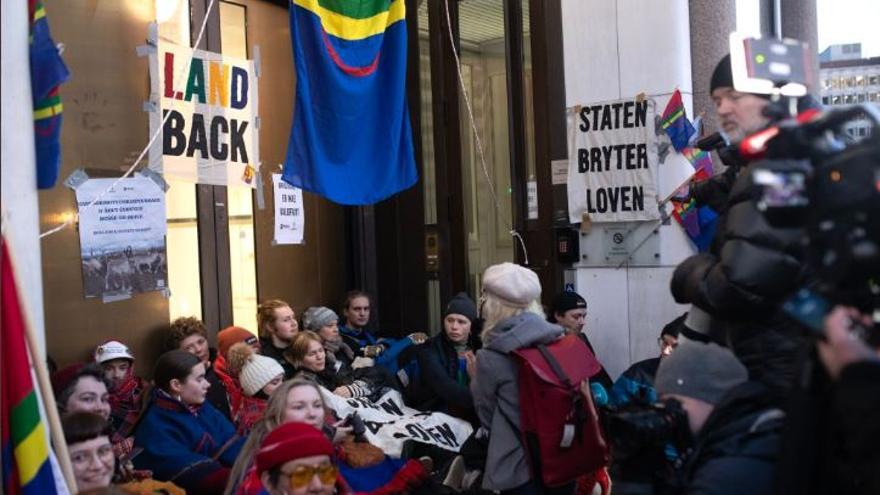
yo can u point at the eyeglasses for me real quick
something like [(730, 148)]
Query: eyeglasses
[(302, 475)]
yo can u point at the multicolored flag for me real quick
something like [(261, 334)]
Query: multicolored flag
[(47, 73), (351, 140), (675, 122), (698, 222), (27, 468)]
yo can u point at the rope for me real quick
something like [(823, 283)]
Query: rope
[(513, 232)]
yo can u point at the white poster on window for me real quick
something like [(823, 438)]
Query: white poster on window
[(122, 237), (612, 166), (206, 104), (390, 422), (290, 219)]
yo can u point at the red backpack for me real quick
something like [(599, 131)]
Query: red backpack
[(559, 425)]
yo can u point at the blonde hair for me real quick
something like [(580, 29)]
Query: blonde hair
[(266, 315), (493, 310), (300, 347), (272, 417)]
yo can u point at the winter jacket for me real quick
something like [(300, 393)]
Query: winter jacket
[(495, 391), (245, 410), (751, 268), (192, 447), (736, 450), (268, 349), (636, 384), (443, 376), (357, 339)]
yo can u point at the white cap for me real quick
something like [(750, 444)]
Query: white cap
[(110, 350)]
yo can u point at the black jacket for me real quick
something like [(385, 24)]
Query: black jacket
[(751, 268), (736, 450), (438, 366), (268, 349)]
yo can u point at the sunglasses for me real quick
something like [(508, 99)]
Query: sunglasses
[(302, 475)]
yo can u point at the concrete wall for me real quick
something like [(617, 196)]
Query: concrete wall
[(617, 49)]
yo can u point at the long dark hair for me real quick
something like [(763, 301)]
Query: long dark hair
[(173, 365)]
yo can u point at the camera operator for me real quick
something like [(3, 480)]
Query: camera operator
[(831, 443), (751, 266), (735, 428)]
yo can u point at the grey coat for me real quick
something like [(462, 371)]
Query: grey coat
[(495, 387)]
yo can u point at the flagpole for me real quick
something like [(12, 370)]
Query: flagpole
[(39, 364)]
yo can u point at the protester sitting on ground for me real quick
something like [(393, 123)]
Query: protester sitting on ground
[(325, 323), (277, 324), (355, 331), (239, 403), (569, 310), (735, 426), (296, 459), (512, 319), (91, 453), (82, 388), (301, 401), (258, 377), (126, 389), (189, 334), (307, 355), (636, 384), (185, 439), (446, 361)]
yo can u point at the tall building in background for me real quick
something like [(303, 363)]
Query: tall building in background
[(846, 79)]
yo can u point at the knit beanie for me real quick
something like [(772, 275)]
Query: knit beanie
[(462, 305), (233, 335), (515, 285), (318, 317), (64, 377), (700, 371), (722, 77), (289, 442), (254, 371), (112, 349), (566, 301)]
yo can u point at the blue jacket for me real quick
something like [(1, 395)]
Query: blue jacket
[(186, 447), (636, 384)]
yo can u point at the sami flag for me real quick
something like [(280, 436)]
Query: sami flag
[(47, 73), (351, 140), (27, 468), (698, 222), (674, 121)]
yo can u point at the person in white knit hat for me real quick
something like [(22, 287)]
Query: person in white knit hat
[(258, 376)]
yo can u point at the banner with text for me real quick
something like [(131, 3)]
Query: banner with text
[(390, 423), (613, 162), (211, 132), (122, 237), (289, 215)]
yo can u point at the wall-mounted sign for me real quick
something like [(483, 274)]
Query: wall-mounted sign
[(613, 164), (122, 237), (210, 112), (290, 218)]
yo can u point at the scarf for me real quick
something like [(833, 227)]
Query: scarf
[(332, 347)]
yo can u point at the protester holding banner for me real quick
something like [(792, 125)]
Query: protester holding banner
[(190, 334), (185, 439), (446, 361), (277, 323), (308, 356), (512, 319)]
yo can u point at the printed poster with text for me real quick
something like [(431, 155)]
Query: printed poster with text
[(290, 219), (122, 237), (612, 165), (210, 112)]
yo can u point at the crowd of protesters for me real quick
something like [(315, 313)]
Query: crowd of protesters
[(252, 415)]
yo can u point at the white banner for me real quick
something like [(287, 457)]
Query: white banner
[(390, 423), (122, 237), (290, 218), (612, 165), (211, 135)]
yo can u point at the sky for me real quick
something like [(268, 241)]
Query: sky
[(850, 21)]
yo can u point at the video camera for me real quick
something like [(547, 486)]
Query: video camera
[(808, 174)]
